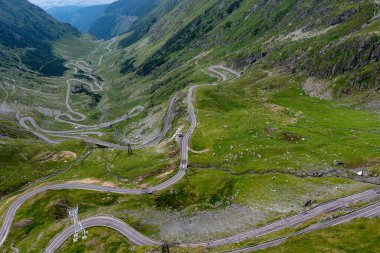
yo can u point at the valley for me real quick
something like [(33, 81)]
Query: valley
[(232, 126)]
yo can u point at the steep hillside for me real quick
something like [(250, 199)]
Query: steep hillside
[(337, 41), (27, 33), (205, 120), (119, 16)]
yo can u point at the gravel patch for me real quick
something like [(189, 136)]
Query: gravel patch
[(317, 89), (5, 109), (178, 227)]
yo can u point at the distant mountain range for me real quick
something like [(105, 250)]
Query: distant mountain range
[(104, 21), (28, 32), (81, 18), (46, 4)]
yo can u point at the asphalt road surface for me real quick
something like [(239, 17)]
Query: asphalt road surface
[(139, 239)]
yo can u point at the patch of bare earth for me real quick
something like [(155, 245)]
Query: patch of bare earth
[(23, 223), (94, 181), (66, 155), (51, 156), (301, 34), (317, 89)]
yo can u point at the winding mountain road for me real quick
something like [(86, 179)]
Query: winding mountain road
[(139, 239), (181, 172), (134, 236), (74, 117)]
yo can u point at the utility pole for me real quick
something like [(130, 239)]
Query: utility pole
[(106, 168), (130, 151), (78, 228), (165, 248)]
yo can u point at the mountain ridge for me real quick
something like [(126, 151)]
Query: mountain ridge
[(105, 21), (27, 27)]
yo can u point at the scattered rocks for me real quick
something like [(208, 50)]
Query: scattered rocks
[(344, 16), (339, 163), (200, 225), (66, 155), (290, 137), (308, 203), (23, 223), (270, 130)]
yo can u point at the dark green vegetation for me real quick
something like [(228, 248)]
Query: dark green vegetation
[(27, 27), (187, 35), (142, 26), (95, 98)]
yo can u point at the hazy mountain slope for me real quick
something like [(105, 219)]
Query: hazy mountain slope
[(119, 16), (27, 27), (46, 4), (63, 9), (80, 17), (105, 21), (335, 40)]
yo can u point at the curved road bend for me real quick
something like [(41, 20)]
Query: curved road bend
[(94, 88), (139, 239), (103, 221), (70, 134)]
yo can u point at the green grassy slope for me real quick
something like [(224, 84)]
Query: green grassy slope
[(25, 160), (267, 123), (26, 26)]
